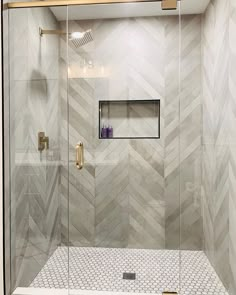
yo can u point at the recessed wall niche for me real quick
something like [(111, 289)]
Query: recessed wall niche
[(129, 119)]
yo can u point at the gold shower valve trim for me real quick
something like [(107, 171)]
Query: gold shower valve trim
[(43, 141), (49, 3)]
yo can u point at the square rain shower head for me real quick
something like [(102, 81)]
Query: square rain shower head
[(82, 40)]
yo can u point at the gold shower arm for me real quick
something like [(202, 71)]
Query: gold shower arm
[(51, 32)]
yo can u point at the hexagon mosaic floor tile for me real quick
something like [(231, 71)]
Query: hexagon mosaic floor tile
[(103, 269)]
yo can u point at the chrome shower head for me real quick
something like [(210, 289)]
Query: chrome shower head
[(81, 38)]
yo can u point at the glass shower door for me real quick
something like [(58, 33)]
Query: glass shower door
[(205, 168), (38, 152), (123, 112)]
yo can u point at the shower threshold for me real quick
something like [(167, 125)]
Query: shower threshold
[(51, 291)]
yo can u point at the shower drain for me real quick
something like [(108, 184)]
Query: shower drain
[(129, 275)]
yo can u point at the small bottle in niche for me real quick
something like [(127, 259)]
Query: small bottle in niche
[(110, 131), (104, 132)]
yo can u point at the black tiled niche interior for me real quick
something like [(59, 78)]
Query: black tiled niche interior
[(129, 119)]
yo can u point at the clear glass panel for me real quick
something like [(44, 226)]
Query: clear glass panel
[(124, 209), (205, 169), (38, 142)]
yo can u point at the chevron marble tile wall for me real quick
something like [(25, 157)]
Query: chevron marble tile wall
[(232, 150), (127, 195), (34, 105), (190, 127), (215, 136), (219, 97)]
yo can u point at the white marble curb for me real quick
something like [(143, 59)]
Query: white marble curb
[(44, 291)]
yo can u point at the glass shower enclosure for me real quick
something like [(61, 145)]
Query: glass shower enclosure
[(105, 151)]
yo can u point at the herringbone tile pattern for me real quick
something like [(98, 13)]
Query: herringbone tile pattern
[(232, 144), (219, 138), (128, 193)]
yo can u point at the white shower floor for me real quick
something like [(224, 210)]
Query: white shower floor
[(101, 269)]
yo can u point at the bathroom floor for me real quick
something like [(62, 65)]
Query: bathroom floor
[(102, 269)]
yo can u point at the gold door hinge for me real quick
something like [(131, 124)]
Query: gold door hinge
[(169, 4)]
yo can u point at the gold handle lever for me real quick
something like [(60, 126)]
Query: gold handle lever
[(79, 148)]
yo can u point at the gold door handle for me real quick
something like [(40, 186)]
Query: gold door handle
[(79, 149)]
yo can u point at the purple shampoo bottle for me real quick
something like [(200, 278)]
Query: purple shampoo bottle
[(110, 131), (104, 132)]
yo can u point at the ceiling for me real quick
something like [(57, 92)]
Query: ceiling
[(101, 11)]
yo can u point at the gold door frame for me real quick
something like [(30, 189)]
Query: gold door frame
[(48, 3)]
